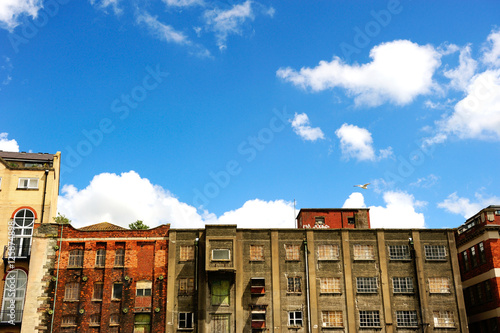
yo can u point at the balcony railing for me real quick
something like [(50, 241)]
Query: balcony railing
[(11, 317), (14, 252)]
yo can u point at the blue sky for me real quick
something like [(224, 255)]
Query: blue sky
[(198, 111)]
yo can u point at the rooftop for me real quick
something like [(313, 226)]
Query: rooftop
[(103, 226), (23, 156)]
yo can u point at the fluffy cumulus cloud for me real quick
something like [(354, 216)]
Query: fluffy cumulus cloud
[(302, 127), (6, 144), (123, 199), (491, 52), (461, 76), (399, 71), (11, 11), (464, 206), (357, 142), (355, 200)]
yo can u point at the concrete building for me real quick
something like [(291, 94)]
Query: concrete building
[(478, 241), (224, 279), (29, 187), (102, 278)]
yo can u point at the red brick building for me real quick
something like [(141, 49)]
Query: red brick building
[(105, 278), (478, 245), (334, 218)]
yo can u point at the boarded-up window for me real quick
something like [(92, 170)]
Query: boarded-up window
[(292, 252), (97, 294), (329, 285), (220, 292), (142, 323), (328, 252), (363, 252), (256, 252), (444, 319), (332, 319), (186, 286), (439, 285), (186, 252), (220, 323)]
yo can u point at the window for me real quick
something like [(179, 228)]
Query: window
[(68, 320), (186, 286), (295, 318), (369, 319), (142, 322), (292, 252), (351, 220), (100, 258), (221, 254), (186, 252), (443, 319), (119, 257), (97, 294), (399, 252), (95, 320), (258, 316), (143, 288), (406, 318), (13, 296), (402, 285), (117, 291), (439, 285), (487, 290), (75, 258), (470, 293), (220, 292), (220, 323), (329, 285), (480, 294), (482, 253), (319, 221), (27, 183), (332, 319), (473, 256), (363, 252), (257, 286), (465, 257), (256, 253), (185, 320), (294, 284), (328, 252), (366, 284), (23, 230), (72, 291), (435, 252), (114, 319)]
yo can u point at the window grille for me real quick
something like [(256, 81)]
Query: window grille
[(406, 318), (439, 285), (402, 285), (435, 252), (444, 319), (366, 284), (328, 252), (363, 252), (369, 319), (399, 252), (292, 252), (294, 284), (329, 285), (332, 319)]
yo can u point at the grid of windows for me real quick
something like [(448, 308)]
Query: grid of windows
[(97, 294), (256, 252), (328, 252), (295, 318), (292, 252), (119, 257), (366, 284), (435, 252), (402, 285), (117, 291), (186, 252), (399, 252), (439, 285), (329, 285), (406, 318), (68, 320), (186, 286), (72, 291), (185, 320), (444, 319), (100, 258), (294, 284), (75, 258), (332, 319), (369, 319), (363, 252)]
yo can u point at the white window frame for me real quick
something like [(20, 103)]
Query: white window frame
[(295, 318), (75, 258), (435, 252), (439, 285), (444, 319), (24, 221), (26, 183), (406, 318), (114, 319), (68, 321), (14, 290), (403, 285), (363, 252), (119, 258), (184, 322), (328, 252), (366, 285), (142, 287), (100, 258), (226, 258)]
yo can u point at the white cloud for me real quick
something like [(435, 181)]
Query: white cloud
[(463, 206), (398, 213), (426, 182), (399, 72), (226, 22), (301, 126), (12, 10), (162, 31), (460, 77), (123, 199), (183, 3), (8, 145), (491, 53), (355, 200), (477, 116), (357, 142), (105, 4)]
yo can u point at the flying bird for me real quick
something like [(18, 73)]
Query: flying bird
[(365, 186)]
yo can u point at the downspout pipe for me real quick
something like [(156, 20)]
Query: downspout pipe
[(57, 281), (195, 302), (44, 193), (308, 300), (414, 259)]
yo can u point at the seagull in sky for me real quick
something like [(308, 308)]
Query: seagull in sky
[(365, 186)]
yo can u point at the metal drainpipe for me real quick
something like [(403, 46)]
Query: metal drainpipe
[(195, 303), (307, 289), (57, 280), (44, 192), (414, 259)]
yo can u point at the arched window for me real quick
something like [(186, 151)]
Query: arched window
[(14, 291), (23, 229)]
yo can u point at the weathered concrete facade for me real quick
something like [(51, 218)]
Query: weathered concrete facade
[(313, 280)]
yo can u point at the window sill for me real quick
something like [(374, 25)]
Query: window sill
[(362, 259), (327, 260), (96, 300), (370, 327), (294, 293), (116, 300), (292, 260), (26, 189), (330, 293), (114, 325), (185, 329), (94, 325), (437, 260), (405, 259), (332, 327), (71, 300)]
